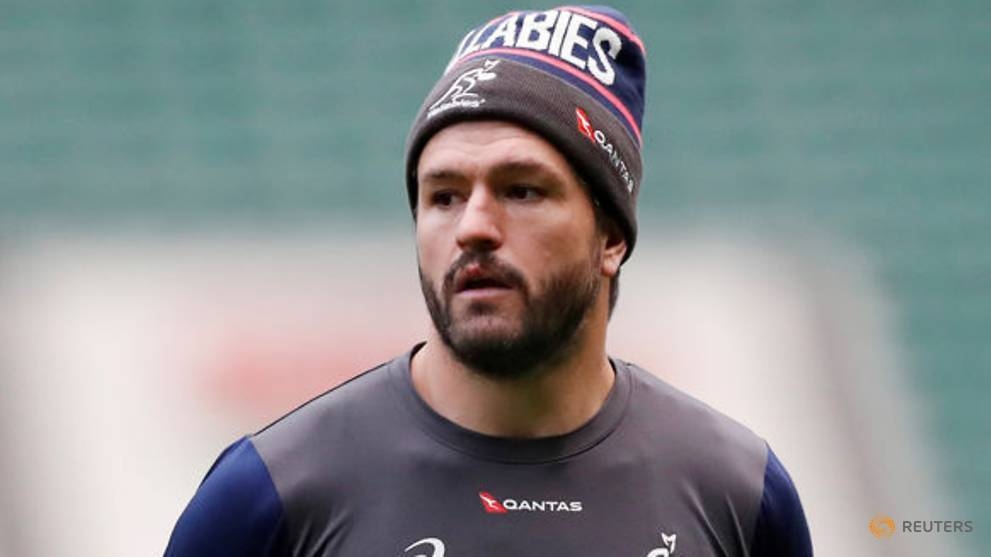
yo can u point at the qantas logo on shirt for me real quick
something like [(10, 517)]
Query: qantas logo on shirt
[(493, 505)]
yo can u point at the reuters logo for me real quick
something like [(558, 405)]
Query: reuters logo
[(882, 526)]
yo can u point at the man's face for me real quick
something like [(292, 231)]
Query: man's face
[(511, 260)]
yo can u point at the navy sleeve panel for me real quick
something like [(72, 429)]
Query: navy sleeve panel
[(236, 510), (781, 530)]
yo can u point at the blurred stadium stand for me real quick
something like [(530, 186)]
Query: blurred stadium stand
[(869, 120)]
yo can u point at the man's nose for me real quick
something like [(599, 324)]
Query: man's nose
[(481, 223)]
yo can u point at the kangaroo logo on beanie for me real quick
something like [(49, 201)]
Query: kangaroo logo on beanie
[(460, 92)]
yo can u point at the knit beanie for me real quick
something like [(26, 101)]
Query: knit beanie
[(573, 75)]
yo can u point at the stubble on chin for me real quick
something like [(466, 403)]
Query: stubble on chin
[(504, 344)]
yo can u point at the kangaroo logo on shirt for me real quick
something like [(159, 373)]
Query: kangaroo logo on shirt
[(435, 545), (668, 549)]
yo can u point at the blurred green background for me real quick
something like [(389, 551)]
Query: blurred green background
[(867, 119)]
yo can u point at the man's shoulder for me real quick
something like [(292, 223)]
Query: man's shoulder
[(360, 403), (724, 463), (695, 436), (288, 468), (318, 452), (678, 408), (236, 509)]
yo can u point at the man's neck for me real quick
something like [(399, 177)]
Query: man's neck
[(552, 401)]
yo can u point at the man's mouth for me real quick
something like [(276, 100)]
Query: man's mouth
[(475, 277)]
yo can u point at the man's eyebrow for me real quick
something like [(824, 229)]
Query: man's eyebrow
[(523, 166), (529, 169), (441, 175), (509, 168)]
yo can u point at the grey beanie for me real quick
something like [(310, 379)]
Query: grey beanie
[(573, 75)]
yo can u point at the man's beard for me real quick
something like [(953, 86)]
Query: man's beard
[(546, 333)]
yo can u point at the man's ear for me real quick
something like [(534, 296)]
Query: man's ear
[(614, 250)]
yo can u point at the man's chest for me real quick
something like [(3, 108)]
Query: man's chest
[(534, 513)]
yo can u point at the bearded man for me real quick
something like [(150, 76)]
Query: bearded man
[(510, 431)]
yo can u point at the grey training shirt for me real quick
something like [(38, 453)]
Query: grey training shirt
[(368, 469)]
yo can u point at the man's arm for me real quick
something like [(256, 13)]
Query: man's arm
[(781, 529), (235, 511)]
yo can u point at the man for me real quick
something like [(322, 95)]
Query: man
[(510, 431)]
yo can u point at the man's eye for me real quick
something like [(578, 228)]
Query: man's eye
[(524, 192), (442, 198)]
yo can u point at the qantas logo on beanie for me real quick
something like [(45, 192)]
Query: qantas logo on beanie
[(493, 505), (600, 138), (584, 124), (590, 47)]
